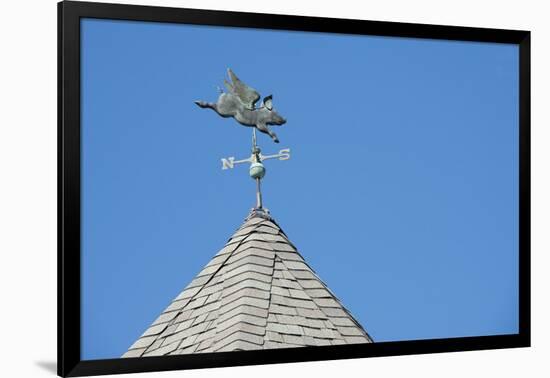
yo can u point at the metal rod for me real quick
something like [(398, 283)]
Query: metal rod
[(254, 139), (258, 194), (258, 185)]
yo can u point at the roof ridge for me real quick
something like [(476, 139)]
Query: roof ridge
[(240, 324), (332, 295)]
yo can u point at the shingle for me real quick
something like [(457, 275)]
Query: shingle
[(280, 291), (206, 308), (322, 342), (329, 324), (171, 329), (213, 297), (256, 236), (283, 282), (154, 330), (227, 249), (238, 345), (304, 274), (133, 353), (333, 312), (197, 302), (177, 305), (242, 318), (236, 239), (274, 336), (252, 251), (239, 327), (243, 336), (212, 315), (199, 281), (286, 329), (275, 345), (183, 316), (251, 260), (273, 238), (292, 302), (267, 230), (296, 265), (165, 317), (193, 330), (217, 260), (189, 341), (321, 333), (162, 351), (210, 288), (255, 244), (338, 341), (157, 344), (250, 256), (253, 221), (271, 224), (286, 310), (327, 302), (267, 271), (246, 292), (300, 320), (201, 318), (241, 310), (350, 331), (318, 293), (209, 270), (310, 341), (143, 342), (283, 247), (215, 279), (343, 321), (311, 313), (292, 339), (246, 283), (310, 284), (289, 256), (244, 230), (356, 340), (205, 344), (208, 334), (287, 275), (278, 274), (189, 349), (300, 294), (255, 302), (188, 293)]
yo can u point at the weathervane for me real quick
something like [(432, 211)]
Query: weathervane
[(240, 103)]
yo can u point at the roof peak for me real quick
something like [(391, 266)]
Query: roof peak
[(259, 212)]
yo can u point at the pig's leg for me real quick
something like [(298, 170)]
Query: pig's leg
[(204, 105), (266, 130), (215, 107)]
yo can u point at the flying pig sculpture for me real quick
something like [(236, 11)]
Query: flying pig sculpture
[(240, 103)]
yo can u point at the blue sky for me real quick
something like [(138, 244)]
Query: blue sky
[(401, 193)]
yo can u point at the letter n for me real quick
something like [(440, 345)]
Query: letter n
[(228, 163)]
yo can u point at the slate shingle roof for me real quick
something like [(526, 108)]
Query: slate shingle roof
[(257, 292)]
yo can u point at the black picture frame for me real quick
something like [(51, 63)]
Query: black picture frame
[(69, 15)]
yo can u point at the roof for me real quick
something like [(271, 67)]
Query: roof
[(257, 292)]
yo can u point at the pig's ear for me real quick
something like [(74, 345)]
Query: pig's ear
[(268, 102)]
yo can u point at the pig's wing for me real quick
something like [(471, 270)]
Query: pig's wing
[(248, 96)]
